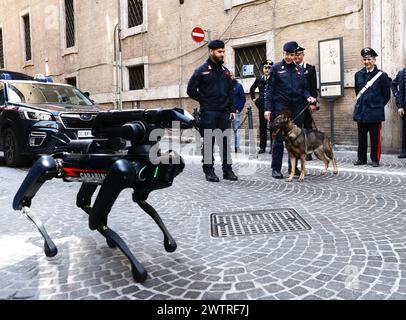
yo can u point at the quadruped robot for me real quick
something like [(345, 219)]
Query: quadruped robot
[(101, 161)]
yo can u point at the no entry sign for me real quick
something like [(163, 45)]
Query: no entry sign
[(198, 34)]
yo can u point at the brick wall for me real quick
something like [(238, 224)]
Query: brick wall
[(168, 36)]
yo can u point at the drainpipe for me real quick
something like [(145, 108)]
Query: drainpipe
[(181, 59), (118, 62)]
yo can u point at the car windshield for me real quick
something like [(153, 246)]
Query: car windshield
[(40, 93)]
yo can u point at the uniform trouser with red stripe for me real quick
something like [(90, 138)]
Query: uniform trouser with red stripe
[(374, 130)]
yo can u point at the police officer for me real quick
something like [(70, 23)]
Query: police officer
[(372, 87), (239, 103), (310, 73), (399, 91), (260, 83), (212, 87), (286, 91)]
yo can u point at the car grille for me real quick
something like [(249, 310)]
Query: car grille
[(78, 120)]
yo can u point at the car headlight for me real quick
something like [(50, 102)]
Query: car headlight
[(32, 114)]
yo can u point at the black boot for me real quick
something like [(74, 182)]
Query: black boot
[(229, 175), (360, 162), (211, 177), (277, 174)]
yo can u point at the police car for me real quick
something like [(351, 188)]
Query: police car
[(40, 117)]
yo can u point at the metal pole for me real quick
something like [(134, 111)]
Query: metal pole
[(331, 103), (251, 135), (198, 137), (208, 35)]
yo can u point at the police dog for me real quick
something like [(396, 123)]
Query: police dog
[(299, 142)]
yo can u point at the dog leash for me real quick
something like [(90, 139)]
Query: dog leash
[(304, 109), (311, 115)]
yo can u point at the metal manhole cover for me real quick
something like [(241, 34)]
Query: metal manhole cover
[(247, 223)]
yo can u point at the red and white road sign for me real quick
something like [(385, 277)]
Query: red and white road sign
[(198, 34)]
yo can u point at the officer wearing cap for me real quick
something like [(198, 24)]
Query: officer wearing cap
[(286, 91), (212, 87), (372, 87), (310, 73), (260, 83)]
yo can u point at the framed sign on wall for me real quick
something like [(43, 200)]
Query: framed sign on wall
[(331, 59)]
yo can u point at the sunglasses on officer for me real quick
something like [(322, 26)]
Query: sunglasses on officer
[(267, 67)]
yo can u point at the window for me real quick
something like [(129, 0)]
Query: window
[(136, 76), (228, 4), (253, 55), (70, 23), (71, 81), (135, 13), (27, 37), (134, 17), (1, 50)]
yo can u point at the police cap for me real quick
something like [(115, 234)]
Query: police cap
[(267, 62), (368, 53), (216, 44), (290, 47), (300, 49)]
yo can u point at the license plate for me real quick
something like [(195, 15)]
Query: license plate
[(85, 134)]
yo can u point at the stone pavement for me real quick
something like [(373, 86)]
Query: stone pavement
[(356, 248)]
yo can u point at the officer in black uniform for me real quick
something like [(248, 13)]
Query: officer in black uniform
[(212, 87), (310, 73), (286, 91), (372, 87), (260, 83)]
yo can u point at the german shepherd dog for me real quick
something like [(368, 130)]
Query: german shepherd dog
[(299, 142)]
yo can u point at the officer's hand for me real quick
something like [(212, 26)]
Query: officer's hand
[(401, 112), (232, 116), (311, 100), (267, 115), (313, 107)]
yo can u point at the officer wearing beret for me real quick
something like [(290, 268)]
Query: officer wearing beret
[(212, 87), (372, 87), (310, 73), (260, 83), (287, 90), (399, 91)]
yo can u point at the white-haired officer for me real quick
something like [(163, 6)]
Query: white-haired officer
[(372, 87)]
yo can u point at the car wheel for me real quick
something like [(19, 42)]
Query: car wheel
[(12, 156)]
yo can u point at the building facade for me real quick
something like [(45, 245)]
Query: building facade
[(140, 53)]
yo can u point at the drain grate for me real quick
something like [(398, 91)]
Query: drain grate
[(247, 223)]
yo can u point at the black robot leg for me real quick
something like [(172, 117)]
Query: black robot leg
[(84, 197), (84, 200), (120, 177), (169, 243), (43, 169)]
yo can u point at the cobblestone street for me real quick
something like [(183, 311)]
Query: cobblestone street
[(356, 248)]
